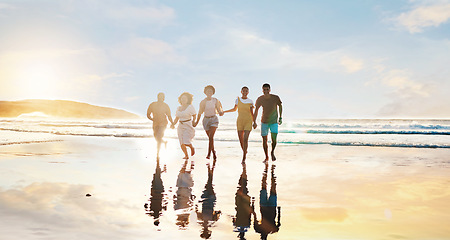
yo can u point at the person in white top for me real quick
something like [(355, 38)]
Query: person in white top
[(245, 120), (186, 115), (210, 106)]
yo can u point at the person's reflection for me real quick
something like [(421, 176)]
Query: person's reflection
[(268, 206), (157, 202), (242, 220), (208, 216), (183, 201)]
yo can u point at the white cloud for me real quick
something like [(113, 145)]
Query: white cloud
[(351, 65), (400, 81), (145, 51), (161, 14), (410, 96), (6, 6), (250, 50), (424, 16)]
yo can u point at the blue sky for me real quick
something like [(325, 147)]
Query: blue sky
[(325, 59)]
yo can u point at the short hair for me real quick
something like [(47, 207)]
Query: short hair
[(209, 87), (161, 94), (244, 87), (266, 85), (189, 96)]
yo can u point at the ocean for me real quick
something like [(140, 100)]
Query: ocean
[(410, 133), (333, 179)]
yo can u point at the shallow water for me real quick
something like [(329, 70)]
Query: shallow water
[(113, 188)]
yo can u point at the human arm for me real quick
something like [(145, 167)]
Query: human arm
[(232, 109), (193, 120), (169, 115), (253, 118), (174, 122), (255, 115), (219, 107), (149, 112), (201, 109), (280, 109)]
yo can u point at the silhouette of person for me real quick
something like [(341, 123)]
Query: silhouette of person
[(208, 216), (186, 115), (245, 119), (271, 105), (210, 106), (242, 220), (159, 112), (183, 201), (268, 207), (157, 203)]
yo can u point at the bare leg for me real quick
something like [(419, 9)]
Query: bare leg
[(158, 132), (265, 147), (241, 138), (183, 148), (274, 144), (192, 149), (158, 147), (210, 133), (245, 144)]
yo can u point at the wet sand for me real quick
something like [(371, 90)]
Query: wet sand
[(101, 188)]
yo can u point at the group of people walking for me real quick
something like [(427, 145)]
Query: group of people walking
[(187, 119)]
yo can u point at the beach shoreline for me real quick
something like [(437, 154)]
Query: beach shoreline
[(324, 191)]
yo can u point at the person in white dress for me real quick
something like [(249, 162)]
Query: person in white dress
[(186, 115)]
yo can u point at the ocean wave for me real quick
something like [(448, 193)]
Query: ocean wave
[(28, 142), (360, 144), (377, 132), (107, 126)]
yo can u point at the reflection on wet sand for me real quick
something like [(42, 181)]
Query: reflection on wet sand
[(242, 220), (208, 216), (270, 217), (157, 204), (183, 200)]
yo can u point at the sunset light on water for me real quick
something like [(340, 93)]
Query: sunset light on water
[(224, 120)]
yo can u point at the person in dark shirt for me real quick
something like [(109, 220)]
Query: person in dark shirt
[(271, 105)]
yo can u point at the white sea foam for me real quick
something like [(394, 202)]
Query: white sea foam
[(345, 132)]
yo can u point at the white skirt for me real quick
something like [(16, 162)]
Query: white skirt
[(186, 132)]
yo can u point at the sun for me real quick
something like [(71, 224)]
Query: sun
[(39, 80)]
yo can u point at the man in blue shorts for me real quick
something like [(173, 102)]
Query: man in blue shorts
[(271, 105)]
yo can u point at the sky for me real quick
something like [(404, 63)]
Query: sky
[(325, 59)]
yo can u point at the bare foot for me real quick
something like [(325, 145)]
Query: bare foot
[(273, 156), (186, 157), (192, 151)]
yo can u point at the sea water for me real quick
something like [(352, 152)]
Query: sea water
[(415, 133)]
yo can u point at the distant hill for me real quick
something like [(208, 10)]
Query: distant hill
[(62, 109)]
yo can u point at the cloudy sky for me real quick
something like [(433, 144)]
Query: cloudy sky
[(325, 59)]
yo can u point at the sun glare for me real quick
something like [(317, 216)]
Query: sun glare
[(39, 80)]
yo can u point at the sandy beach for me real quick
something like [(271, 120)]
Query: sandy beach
[(97, 188)]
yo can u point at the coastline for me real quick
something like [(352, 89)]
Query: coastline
[(324, 191)]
